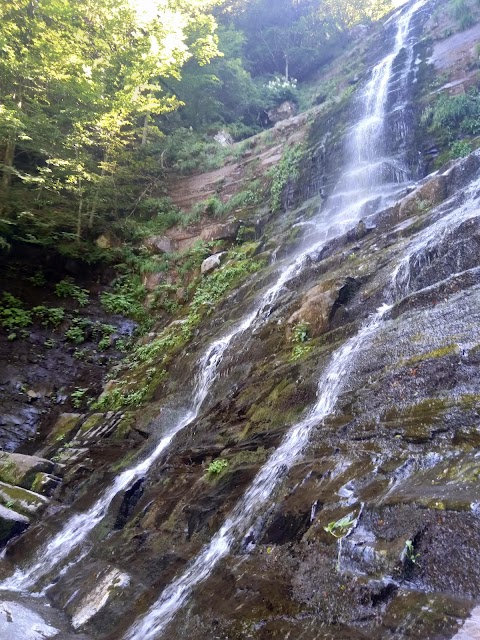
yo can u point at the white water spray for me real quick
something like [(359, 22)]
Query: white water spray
[(260, 492)]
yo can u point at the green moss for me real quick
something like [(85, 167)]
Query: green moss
[(124, 426), (248, 458), (65, 424), (37, 484), (9, 472), (469, 401), (432, 355), (92, 421)]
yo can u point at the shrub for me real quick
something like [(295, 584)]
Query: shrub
[(52, 316), (460, 149), (454, 114), (127, 299), (12, 314), (66, 288), (279, 90), (75, 335)]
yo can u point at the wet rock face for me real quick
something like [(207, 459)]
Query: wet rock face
[(11, 524), (374, 531), (397, 459)]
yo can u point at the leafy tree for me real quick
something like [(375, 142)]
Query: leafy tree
[(79, 85)]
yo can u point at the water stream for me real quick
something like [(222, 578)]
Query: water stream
[(365, 147), (260, 492), (367, 169)]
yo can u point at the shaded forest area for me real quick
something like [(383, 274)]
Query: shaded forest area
[(101, 99)]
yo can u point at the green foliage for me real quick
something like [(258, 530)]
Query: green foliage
[(77, 397), (38, 279), (460, 149), (148, 361), (461, 11), (75, 333), (116, 399), (285, 171), (214, 286), (279, 90), (81, 90), (66, 288), (340, 528), (50, 316), (12, 314), (300, 336), (301, 332), (127, 299), (454, 115), (216, 467)]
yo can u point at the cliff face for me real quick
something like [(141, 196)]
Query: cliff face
[(304, 463)]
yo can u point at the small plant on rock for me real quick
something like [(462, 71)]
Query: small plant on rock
[(217, 466), (77, 397), (340, 528), (300, 336), (410, 552)]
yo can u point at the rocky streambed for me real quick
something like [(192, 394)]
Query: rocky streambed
[(397, 461)]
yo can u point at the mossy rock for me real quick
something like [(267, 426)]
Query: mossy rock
[(64, 426), (22, 500), (21, 470)]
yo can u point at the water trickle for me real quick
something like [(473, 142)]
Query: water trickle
[(355, 189), (259, 493), (423, 246)]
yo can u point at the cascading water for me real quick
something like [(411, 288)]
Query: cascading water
[(260, 492), (77, 529), (151, 626), (364, 172), (370, 173), (367, 134)]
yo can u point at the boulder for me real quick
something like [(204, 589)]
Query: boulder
[(285, 110), (152, 280), (11, 524), (222, 231), (22, 500), (65, 424), (427, 195), (316, 308), (159, 244), (19, 469), (45, 483), (211, 263)]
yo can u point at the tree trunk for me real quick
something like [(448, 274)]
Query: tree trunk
[(93, 209), (145, 130), (80, 210)]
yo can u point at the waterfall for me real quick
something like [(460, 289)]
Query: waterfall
[(370, 173), (364, 172), (367, 134), (260, 492), (74, 533), (364, 147)]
